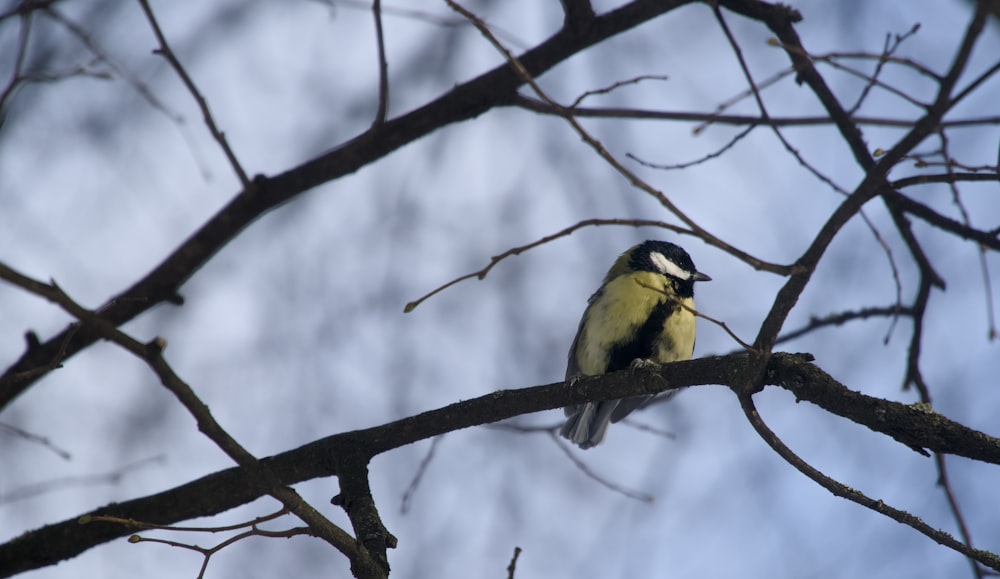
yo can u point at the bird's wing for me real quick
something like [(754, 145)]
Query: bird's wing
[(572, 366)]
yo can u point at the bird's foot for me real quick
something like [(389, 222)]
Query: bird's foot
[(640, 364)]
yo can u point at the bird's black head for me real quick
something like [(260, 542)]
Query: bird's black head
[(669, 260)]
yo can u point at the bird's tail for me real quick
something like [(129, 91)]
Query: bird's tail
[(588, 424)]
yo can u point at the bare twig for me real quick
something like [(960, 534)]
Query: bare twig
[(42, 440), (643, 427), (917, 67), (169, 55), (481, 274), (844, 317), (104, 56), (913, 376), (615, 86), (48, 486), (641, 497), (718, 117), (892, 43), (411, 489), (425, 16), (956, 511), (984, 269), (873, 80), (673, 298), (512, 566), (150, 526), (24, 34), (252, 531), (976, 83), (843, 491), (383, 67), (713, 155)]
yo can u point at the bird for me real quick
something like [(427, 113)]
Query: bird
[(643, 313)]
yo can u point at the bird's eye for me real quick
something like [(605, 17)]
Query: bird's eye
[(668, 267)]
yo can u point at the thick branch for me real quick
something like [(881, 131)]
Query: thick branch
[(913, 425)]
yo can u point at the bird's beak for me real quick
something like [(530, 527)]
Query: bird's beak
[(698, 276)]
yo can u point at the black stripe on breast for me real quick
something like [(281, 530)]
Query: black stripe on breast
[(641, 345)]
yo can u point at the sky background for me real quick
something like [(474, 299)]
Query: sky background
[(296, 330)]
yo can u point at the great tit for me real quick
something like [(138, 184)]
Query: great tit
[(641, 313)]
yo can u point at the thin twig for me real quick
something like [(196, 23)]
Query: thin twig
[(615, 86), (482, 273), (956, 511), (208, 552), (721, 324), (48, 486), (956, 198), (913, 376), (42, 440), (425, 16), (713, 155), (104, 56), (888, 50), (411, 489), (641, 497), (220, 137), (893, 268), (181, 529), (843, 491), (976, 82), (873, 80), (841, 318), (24, 35), (512, 566), (643, 427), (383, 67), (717, 117)]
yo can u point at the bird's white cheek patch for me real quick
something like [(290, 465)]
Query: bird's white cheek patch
[(668, 267)]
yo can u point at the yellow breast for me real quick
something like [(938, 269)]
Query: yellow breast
[(617, 313)]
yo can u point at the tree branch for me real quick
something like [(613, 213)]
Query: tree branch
[(912, 425), (843, 491)]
